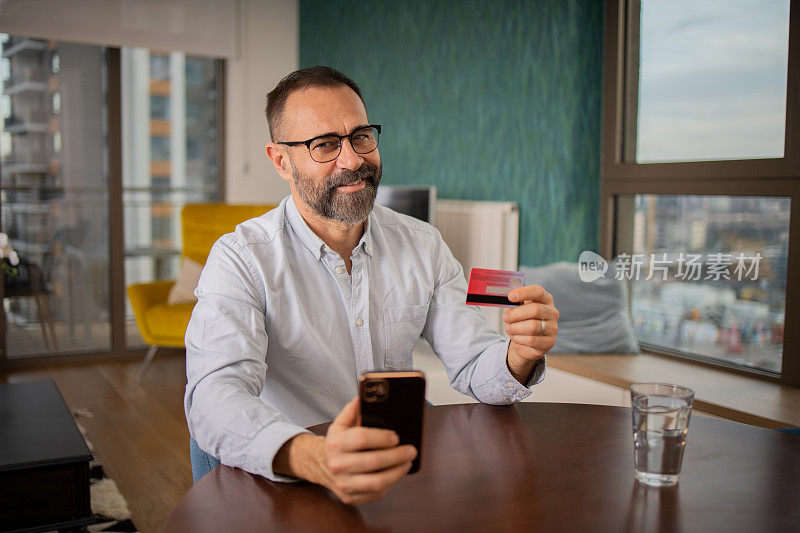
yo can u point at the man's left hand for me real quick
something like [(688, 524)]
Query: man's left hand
[(524, 324)]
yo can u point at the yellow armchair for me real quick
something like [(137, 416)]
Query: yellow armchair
[(164, 324), (149, 301)]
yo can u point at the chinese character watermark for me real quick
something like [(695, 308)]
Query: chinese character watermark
[(684, 267)]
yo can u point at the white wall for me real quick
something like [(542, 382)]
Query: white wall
[(268, 50), (202, 27)]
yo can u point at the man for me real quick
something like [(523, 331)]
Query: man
[(295, 304)]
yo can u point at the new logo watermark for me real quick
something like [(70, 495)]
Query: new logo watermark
[(591, 266), (684, 267)]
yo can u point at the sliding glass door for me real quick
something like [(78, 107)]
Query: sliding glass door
[(170, 156), (100, 150), (54, 197)]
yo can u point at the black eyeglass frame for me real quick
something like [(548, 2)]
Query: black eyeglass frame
[(341, 140)]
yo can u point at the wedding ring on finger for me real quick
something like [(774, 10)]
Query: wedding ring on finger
[(544, 328)]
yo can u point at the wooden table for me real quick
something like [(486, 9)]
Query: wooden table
[(531, 466), (44, 461)]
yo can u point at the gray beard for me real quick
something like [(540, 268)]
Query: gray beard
[(351, 208)]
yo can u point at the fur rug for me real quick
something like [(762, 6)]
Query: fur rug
[(109, 508)]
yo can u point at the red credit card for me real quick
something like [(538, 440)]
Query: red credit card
[(491, 287)]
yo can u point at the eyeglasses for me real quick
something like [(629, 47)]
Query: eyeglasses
[(326, 148)]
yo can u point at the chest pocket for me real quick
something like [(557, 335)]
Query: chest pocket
[(403, 327)]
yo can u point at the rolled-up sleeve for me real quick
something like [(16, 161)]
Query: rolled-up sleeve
[(226, 346), (473, 353)]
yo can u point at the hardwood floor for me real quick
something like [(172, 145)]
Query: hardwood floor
[(138, 430)]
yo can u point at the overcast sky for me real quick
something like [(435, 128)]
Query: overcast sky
[(712, 79)]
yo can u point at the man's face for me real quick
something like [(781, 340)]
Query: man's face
[(330, 198), (343, 189)]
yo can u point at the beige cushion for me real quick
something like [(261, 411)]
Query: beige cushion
[(183, 290), (594, 316)]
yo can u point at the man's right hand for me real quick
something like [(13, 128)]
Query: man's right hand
[(358, 464)]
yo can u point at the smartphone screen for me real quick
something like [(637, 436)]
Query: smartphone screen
[(395, 400)]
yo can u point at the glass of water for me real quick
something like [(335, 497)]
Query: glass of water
[(661, 415)]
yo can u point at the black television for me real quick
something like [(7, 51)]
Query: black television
[(418, 201)]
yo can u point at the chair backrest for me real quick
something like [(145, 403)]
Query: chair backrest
[(28, 280), (203, 224)]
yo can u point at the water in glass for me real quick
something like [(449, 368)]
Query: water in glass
[(660, 424)]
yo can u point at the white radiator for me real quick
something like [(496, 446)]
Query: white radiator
[(483, 235)]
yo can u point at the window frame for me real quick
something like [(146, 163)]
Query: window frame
[(743, 177)]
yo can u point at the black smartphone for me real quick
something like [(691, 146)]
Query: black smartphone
[(395, 399)]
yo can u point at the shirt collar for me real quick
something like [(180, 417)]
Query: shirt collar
[(312, 241), (309, 239), (366, 238)]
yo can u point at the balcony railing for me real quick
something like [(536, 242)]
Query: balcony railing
[(35, 122), (17, 44), (25, 75)]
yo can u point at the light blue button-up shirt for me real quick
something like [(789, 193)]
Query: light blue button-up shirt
[(281, 332)]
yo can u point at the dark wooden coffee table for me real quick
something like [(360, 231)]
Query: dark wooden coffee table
[(531, 467), (44, 461)]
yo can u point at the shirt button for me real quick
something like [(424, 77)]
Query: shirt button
[(369, 249), (339, 270), (359, 322), (509, 385)]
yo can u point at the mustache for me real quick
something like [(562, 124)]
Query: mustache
[(365, 172)]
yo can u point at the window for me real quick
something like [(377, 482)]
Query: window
[(159, 148), (98, 158), (712, 276), (54, 199), (162, 230), (701, 161), (196, 72), (159, 107), (172, 153), (160, 187), (194, 112), (712, 80), (159, 67), (194, 148)]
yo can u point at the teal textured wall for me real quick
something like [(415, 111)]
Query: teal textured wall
[(486, 99)]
